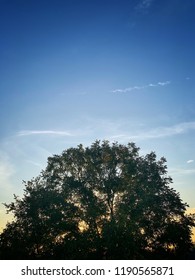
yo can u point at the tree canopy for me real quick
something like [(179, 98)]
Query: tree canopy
[(99, 202)]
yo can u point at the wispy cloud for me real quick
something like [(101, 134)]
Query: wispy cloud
[(144, 5), (129, 89), (34, 163), (44, 132), (7, 171), (181, 171), (190, 161), (158, 132)]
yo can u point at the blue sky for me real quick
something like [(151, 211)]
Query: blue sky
[(75, 71)]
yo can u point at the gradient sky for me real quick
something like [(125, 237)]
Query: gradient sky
[(73, 71)]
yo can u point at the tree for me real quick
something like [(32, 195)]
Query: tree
[(100, 202)]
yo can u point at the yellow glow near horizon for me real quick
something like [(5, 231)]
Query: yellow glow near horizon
[(5, 218), (192, 211)]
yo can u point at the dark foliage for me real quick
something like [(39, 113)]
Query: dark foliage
[(100, 202)]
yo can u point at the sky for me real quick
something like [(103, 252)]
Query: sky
[(74, 71)]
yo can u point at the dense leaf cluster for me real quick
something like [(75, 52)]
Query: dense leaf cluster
[(100, 202)]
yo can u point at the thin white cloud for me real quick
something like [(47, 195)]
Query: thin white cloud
[(190, 161), (144, 5), (173, 130), (43, 132), (6, 168), (158, 132), (7, 171), (181, 171), (129, 89), (163, 83), (34, 163)]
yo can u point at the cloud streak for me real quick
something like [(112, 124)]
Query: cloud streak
[(144, 5), (134, 88), (180, 171), (44, 132), (7, 171), (190, 161), (158, 132)]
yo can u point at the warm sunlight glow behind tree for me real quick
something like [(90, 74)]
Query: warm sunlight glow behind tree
[(104, 201)]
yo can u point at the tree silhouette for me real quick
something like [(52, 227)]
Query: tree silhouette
[(100, 202)]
